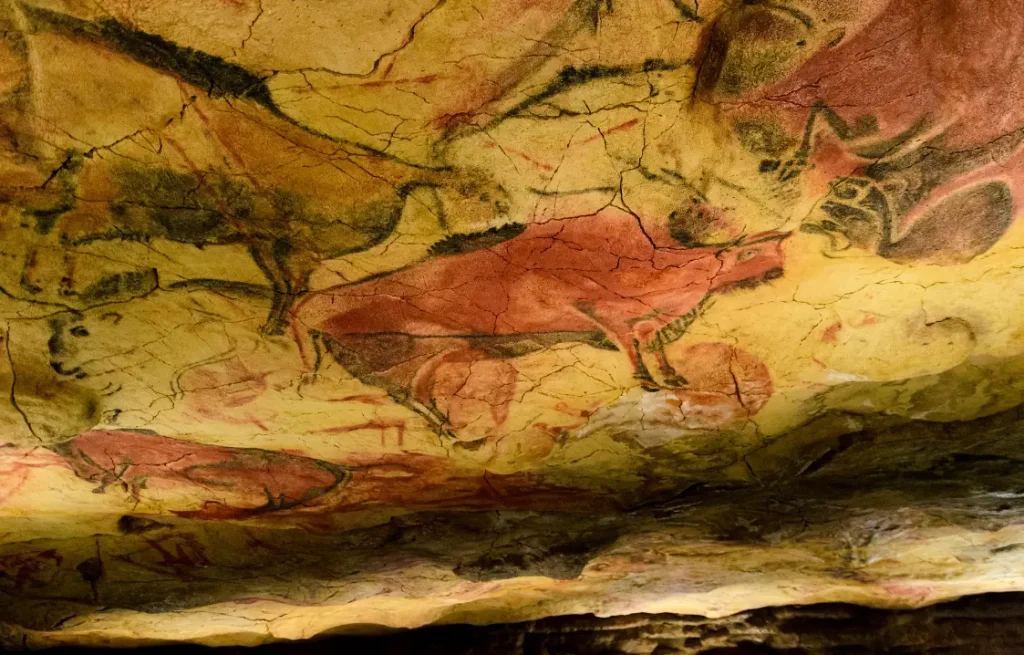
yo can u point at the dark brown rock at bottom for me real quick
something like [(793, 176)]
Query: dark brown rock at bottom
[(986, 624)]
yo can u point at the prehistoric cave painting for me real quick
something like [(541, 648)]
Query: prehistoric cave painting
[(887, 208), (172, 194), (914, 168), (924, 203), (915, 123), (88, 354), (725, 384), (912, 174), (726, 388), (181, 554), (285, 237), (163, 475), (594, 279), (34, 569), (229, 482), (165, 183), (16, 469)]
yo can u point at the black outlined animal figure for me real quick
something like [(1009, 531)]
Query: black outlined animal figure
[(912, 127), (596, 279)]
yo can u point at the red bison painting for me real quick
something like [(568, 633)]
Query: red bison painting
[(597, 279)]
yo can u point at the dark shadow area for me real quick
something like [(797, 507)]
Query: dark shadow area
[(987, 624)]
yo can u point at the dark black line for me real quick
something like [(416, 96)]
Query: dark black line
[(571, 77), (14, 385), (206, 71)]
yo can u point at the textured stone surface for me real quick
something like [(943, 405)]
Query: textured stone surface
[(987, 624), (320, 315)]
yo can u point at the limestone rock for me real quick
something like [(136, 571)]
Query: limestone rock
[(325, 315)]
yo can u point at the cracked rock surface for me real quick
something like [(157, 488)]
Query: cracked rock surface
[(333, 316)]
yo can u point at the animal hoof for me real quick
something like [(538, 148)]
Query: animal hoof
[(791, 169), (434, 417), (648, 385), (676, 382), (269, 330)]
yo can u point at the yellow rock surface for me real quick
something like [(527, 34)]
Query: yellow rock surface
[(275, 276)]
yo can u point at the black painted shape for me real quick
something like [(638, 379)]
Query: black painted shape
[(458, 244), (211, 73)]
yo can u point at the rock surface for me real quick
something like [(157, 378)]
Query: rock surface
[(988, 624), (329, 316)]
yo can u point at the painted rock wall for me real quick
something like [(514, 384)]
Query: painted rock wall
[(325, 314)]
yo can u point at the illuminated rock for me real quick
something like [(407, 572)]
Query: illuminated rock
[(320, 315)]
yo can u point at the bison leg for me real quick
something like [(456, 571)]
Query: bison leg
[(401, 365), (672, 378), (624, 333), (455, 377), (641, 372), (67, 281), (629, 343), (27, 280), (277, 259), (650, 334), (654, 335), (277, 318)]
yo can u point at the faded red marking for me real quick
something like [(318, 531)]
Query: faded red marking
[(17, 464), (422, 482), (225, 481), (564, 407), (447, 122), (239, 483), (423, 79), (226, 384), (829, 335), (611, 130), (379, 424), (320, 89), (579, 419), (725, 384), (213, 390), (25, 568), (522, 155), (367, 398), (907, 591)]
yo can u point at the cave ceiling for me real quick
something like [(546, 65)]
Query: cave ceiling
[(323, 314)]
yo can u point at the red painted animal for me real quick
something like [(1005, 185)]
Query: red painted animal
[(225, 482), (911, 124), (598, 279)]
